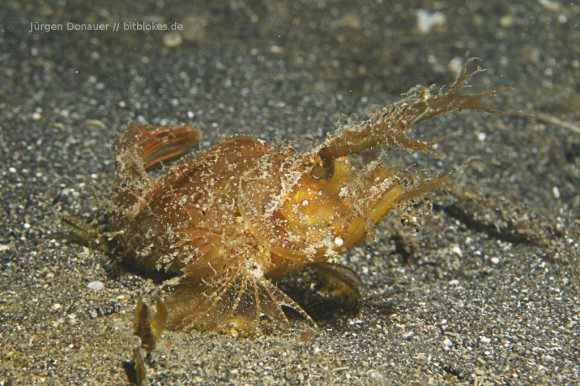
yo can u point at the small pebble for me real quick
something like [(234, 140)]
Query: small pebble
[(96, 286), (172, 39), (455, 65), (407, 335), (276, 50), (94, 125), (506, 21), (427, 20)]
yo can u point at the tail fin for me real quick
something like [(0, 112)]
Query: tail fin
[(155, 145)]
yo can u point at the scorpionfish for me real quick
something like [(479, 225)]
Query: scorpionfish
[(228, 221)]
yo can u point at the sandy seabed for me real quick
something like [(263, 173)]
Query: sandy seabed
[(472, 301)]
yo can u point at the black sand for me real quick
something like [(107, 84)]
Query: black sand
[(486, 296)]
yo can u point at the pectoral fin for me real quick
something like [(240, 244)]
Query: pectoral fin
[(340, 282)]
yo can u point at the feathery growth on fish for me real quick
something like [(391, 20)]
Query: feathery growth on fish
[(229, 220)]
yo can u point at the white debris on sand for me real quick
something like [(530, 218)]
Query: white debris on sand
[(96, 285), (426, 20)]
